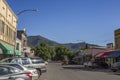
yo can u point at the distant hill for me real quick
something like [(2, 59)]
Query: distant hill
[(37, 40)]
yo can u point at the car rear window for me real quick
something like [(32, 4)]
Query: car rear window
[(25, 61), (37, 60)]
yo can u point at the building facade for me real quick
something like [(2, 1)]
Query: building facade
[(25, 49), (18, 48), (117, 39), (91, 52), (8, 24), (21, 35)]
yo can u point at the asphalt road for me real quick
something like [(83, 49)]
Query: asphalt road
[(73, 72)]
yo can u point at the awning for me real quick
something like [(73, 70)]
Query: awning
[(103, 54), (18, 53), (114, 54), (7, 49)]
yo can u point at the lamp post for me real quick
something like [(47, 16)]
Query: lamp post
[(19, 13), (27, 10)]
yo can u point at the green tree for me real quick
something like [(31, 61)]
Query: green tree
[(62, 53), (43, 51)]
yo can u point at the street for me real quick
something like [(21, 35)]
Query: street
[(57, 72)]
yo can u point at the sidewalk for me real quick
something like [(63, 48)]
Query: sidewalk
[(81, 67)]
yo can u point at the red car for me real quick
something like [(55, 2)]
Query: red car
[(64, 62)]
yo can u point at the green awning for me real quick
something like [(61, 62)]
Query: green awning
[(18, 53), (7, 49)]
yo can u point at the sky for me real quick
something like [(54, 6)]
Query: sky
[(69, 21)]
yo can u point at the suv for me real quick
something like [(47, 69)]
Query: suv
[(37, 62)]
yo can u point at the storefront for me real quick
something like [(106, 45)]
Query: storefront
[(109, 57), (114, 57)]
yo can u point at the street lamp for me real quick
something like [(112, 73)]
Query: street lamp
[(27, 10), (19, 13)]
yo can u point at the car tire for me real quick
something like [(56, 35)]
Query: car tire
[(114, 70), (39, 72)]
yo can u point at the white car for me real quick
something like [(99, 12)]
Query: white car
[(46, 62), (87, 64), (34, 72)]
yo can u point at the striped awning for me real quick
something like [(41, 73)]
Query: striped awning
[(103, 54)]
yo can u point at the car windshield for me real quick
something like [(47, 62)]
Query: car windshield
[(7, 70), (15, 65), (37, 60)]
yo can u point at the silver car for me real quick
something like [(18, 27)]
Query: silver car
[(33, 71), (36, 63), (12, 73)]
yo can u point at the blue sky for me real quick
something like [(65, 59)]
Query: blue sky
[(66, 21)]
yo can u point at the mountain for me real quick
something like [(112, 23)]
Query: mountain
[(37, 40)]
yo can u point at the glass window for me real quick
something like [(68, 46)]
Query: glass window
[(6, 70), (16, 66), (16, 61), (25, 61), (17, 46), (0, 26), (37, 60), (3, 26), (7, 30)]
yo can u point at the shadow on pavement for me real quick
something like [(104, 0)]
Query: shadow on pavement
[(81, 68)]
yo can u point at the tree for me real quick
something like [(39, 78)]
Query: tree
[(62, 53), (43, 51)]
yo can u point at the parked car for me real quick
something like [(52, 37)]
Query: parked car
[(64, 62), (87, 64), (46, 62), (72, 62), (37, 62), (12, 73), (96, 64), (101, 65), (21, 67), (115, 67)]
